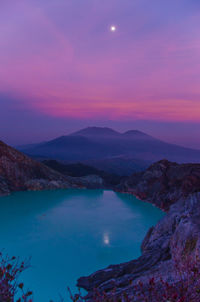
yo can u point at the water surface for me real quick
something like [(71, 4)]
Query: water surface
[(71, 233)]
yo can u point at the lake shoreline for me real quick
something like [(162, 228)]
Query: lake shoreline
[(73, 232), (162, 243)]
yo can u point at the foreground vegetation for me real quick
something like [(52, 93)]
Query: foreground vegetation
[(186, 289), (10, 287)]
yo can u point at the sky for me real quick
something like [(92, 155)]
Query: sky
[(62, 68)]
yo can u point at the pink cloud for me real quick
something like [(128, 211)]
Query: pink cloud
[(64, 66)]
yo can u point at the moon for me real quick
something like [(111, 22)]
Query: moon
[(113, 28)]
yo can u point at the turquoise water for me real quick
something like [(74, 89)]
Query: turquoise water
[(71, 233)]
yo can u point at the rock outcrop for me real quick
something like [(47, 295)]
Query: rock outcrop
[(163, 183), (20, 173), (178, 233)]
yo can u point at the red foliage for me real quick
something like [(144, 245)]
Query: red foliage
[(185, 289), (10, 269)]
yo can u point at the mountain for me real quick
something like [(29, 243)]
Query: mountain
[(170, 250), (105, 145), (71, 148), (97, 131), (20, 173), (137, 134)]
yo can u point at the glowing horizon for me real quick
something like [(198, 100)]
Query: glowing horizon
[(63, 60)]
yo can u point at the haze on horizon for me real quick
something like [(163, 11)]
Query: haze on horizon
[(63, 69)]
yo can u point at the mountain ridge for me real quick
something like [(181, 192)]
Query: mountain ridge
[(96, 131), (107, 148), (20, 173)]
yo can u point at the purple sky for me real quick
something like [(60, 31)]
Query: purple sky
[(61, 68)]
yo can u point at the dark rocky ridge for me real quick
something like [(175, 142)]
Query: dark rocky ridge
[(163, 183), (178, 233), (18, 172), (92, 177)]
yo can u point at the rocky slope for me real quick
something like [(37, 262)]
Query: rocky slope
[(18, 172), (163, 183), (176, 235)]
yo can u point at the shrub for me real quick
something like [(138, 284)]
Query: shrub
[(185, 289), (10, 270)]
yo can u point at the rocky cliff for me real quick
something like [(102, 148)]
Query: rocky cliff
[(163, 183), (19, 172), (176, 235)]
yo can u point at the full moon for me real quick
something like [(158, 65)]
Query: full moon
[(113, 28)]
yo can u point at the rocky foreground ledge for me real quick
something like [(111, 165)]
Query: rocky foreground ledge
[(175, 189), (20, 173)]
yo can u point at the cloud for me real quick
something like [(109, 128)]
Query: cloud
[(60, 59)]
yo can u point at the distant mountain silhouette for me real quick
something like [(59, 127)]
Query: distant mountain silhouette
[(137, 134), (104, 145), (97, 131)]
